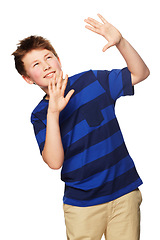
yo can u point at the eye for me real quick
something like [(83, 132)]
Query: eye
[(49, 57), (36, 64)]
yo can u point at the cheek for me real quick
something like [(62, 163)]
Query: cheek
[(56, 64), (36, 75)]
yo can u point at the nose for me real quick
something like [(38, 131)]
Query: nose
[(46, 66)]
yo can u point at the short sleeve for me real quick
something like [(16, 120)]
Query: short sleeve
[(120, 83), (40, 131)]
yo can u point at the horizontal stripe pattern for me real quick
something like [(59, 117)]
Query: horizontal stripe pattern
[(97, 166), (79, 131), (92, 153), (84, 111), (81, 98), (109, 128), (106, 175), (103, 199), (106, 189)]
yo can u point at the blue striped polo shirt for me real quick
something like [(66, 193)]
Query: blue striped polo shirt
[(97, 167)]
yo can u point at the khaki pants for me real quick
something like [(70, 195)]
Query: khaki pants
[(117, 220)]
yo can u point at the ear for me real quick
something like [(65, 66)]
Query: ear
[(27, 79)]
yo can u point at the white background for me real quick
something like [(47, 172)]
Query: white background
[(30, 192)]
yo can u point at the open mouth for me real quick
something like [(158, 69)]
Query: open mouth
[(49, 75)]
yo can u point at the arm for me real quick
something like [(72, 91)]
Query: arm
[(53, 153), (137, 67)]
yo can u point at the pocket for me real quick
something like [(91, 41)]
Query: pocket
[(66, 207), (92, 114), (140, 196)]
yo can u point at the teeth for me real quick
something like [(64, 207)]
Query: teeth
[(50, 75)]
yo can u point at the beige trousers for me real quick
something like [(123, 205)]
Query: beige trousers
[(117, 220)]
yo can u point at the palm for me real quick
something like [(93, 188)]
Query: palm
[(105, 29), (57, 101)]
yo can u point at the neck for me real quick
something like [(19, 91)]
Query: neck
[(46, 91)]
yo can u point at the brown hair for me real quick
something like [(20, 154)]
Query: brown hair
[(26, 45)]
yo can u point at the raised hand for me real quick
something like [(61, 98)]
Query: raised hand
[(105, 29), (57, 101)]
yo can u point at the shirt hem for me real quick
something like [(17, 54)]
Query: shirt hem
[(104, 199)]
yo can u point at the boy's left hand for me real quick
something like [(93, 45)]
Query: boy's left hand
[(107, 30)]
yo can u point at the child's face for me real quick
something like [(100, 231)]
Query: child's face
[(40, 66)]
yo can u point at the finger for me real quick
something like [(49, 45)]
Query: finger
[(64, 84), (107, 46), (95, 30), (93, 22), (69, 95), (60, 79), (50, 85), (53, 82), (102, 18)]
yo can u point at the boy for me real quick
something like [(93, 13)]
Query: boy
[(76, 128)]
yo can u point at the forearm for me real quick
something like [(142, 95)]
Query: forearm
[(137, 67), (53, 153)]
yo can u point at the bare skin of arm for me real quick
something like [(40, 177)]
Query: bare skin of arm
[(53, 153), (137, 67)]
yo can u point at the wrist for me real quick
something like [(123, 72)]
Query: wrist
[(52, 114), (120, 43)]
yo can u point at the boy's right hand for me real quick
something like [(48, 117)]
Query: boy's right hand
[(57, 101)]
